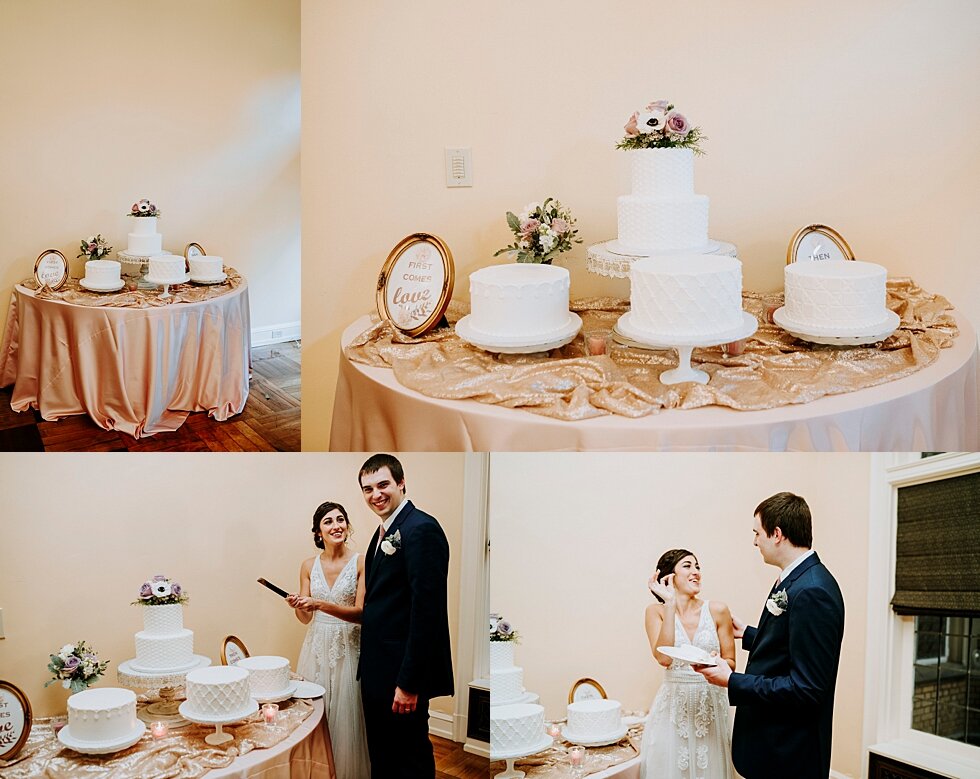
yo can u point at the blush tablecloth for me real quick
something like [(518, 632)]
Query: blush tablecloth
[(136, 370), (934, 409)]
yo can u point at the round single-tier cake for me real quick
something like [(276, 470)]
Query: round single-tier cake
[(206, 267), (521, 300), (506, 679), (268, 675), (144, 240), (103, 715), (594, 720), (685, 296), (169, 268), (102, 273), (218, 693), (164, 645), (835, 296), (516, 729)]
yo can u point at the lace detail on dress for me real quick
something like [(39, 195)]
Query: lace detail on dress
[(343, 593)]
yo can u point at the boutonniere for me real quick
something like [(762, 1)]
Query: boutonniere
[(777, 603), (392, 543)]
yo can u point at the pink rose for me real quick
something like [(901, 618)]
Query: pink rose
[(559, 225), (631, 125), (528, 227), (677, 124), (658, 105), (136, 208)]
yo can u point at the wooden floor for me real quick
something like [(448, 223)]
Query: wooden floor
[(268, 423), (452, 761)]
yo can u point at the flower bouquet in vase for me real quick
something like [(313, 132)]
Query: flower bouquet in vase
[(76, 666), (542, 231)]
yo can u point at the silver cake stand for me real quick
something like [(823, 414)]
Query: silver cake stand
[(512, 773), (165, 709), (603, 259), (684, 346)]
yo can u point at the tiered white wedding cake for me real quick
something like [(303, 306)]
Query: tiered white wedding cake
[(594, 721), (506, 678), (218, 694), (268, 675), (99, 720), (164, 645)]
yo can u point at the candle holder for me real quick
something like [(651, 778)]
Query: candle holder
[(552, 729), (270, 711), (576, 755), (596, 342), (159, 729)]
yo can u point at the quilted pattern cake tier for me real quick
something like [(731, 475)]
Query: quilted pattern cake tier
[(163, 653), (267, 673), (594, 718), (218, 691), (841, 293), (516, 728), (650, 224)]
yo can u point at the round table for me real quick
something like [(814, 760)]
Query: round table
[(137, 370), (934, 409)]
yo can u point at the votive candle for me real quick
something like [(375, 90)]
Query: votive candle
[(159, 729), (596, 344), (553, 730), (577, 756), (269, 712)]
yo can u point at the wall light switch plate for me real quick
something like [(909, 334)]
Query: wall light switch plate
[(459, 167)]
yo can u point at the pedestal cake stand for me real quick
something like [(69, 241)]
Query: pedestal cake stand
[(684, 346), (165, 283), (219, 736), (167, 709), (512, 773), (605, 259)]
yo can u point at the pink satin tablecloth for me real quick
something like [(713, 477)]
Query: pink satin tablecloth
[(934, 409), (136, 370)]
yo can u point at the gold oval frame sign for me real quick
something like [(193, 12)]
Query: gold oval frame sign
[(50, 269), (230, 647), (192, 250), (829, 233), (416, 284), (585, 684), (15, 720)]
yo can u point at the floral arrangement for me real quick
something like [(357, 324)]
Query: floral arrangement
[(76, 666), (160, 591), (543, 231), (95, 247), (659, 126), (143, 208), (501, 629)]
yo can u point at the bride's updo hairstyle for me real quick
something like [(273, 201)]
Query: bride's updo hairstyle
[(321, 511), (668, 562)]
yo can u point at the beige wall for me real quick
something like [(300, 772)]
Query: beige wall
[(81, 532), (858, 115), (194, 105), (575, 537)]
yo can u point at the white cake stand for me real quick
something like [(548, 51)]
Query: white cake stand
[(167, 708), (279, 696), (606, 259), (165, 283), (219, 736), (837, 336), (512, 773), (519, 345), (684, 346)]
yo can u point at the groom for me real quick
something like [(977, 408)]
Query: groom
[(785, 698), (405, 658)]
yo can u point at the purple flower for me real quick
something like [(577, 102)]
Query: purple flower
[(146, 591), (176, 589), (72, 663), (677, 124), (504, 628), (658, 105), (159, 578)]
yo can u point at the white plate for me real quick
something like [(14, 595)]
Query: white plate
[(201, 719), (592, 740), (115, 287), (308, 690), (491, 343), (171, 282), (709, 248), (688, 654), (632, 720), (275, 697), (868, 336), (541, 746), (748, 326), (101, 747), (209, 279)]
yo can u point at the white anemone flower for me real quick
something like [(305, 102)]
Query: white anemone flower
[(651, 121), (161, 589), (66, 651)]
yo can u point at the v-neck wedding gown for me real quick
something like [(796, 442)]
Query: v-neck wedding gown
[(686, 735), (329, 658)]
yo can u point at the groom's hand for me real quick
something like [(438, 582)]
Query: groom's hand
[(715, 674), (404, 703)]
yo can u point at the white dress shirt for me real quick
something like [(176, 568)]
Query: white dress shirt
[(795, 564)]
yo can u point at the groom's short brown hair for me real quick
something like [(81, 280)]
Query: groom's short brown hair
[(376, 462), (791, 514)]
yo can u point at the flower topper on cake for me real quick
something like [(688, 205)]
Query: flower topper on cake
[(501, 629), (543, 231), (659, 126), (76, 666), (95, 247), (160, 591), (143, 208)]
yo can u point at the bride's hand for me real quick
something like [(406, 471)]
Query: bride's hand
[(293, 600), (662, 589), (738, 626)]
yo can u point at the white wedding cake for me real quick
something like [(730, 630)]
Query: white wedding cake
[(835, 297), (517, 729), (144, 240), (268, 675), (519, 302), (662, 213), (102, 274), (506, 679), (167, 269), (594, 721), (102, 717), (164, 645), (684, 296), (206, 268), (218, 694)]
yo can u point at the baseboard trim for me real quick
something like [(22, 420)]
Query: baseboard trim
[(839, 775), (441, 724), (481, 748), (275, 334)]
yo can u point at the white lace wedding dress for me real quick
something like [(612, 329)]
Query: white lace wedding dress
[(686, 735), (329, 657)]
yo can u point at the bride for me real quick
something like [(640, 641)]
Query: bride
[(330, 601), (686, 735)]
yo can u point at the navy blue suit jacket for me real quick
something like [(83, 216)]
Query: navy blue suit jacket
[(405, 628), (785, 698)]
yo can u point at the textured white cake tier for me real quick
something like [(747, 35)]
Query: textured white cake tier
[(163, 620), (163, 653), (650, 224), (501, 654), (206, 267), (594, 718), (662, 172), (144, 225), (145, 240), (835, 293), (519, 300), (506, 685), (218, 691), (102, 272), (168, 267), (102, 715), (686, 295), (266, 673), (516, 728)]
